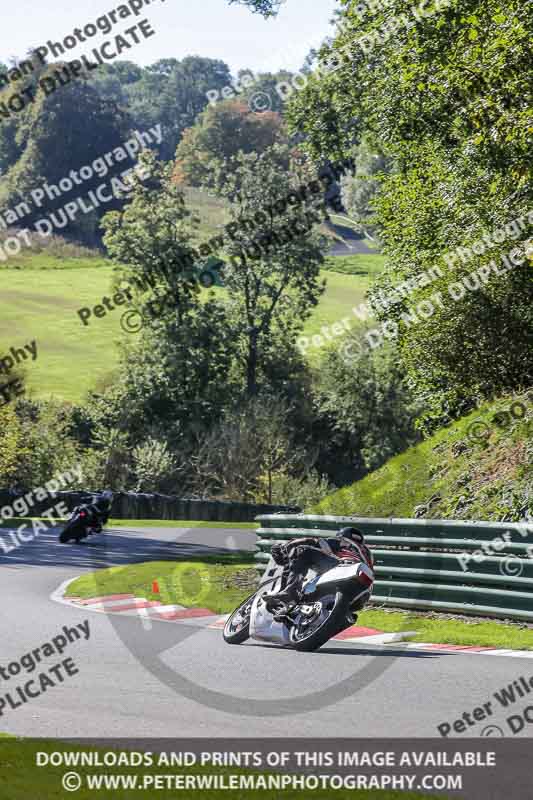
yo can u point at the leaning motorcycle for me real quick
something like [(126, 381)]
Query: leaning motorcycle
[(86, 520), (328, 605)]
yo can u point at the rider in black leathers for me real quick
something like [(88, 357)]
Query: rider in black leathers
[(99, 506), (299, 555)]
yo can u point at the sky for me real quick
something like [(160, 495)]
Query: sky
[(211, 28)]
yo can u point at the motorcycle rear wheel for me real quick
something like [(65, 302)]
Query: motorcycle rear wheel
[(308, 635), (233, 632)]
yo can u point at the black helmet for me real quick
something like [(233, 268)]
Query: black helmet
[(352, 533), (103, 501)]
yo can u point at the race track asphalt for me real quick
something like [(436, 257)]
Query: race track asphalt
[(183, 681)]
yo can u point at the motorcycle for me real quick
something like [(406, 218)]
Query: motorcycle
[(328, 602), (87, 519)]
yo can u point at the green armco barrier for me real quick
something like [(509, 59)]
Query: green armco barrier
[(478, 568)]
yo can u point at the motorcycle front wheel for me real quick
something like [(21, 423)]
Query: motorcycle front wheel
[(328, 617), (237, 627), (72, 531)]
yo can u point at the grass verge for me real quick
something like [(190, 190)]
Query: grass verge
[(21, 778), (145, 523), (439, 631), (219, 583)]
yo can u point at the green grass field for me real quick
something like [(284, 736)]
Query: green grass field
[(206, 583), (144, 523), (41, 294)]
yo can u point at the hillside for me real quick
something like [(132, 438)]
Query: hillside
[(480, 471)]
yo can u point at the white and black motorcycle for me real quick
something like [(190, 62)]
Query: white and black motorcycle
[(329, 602)]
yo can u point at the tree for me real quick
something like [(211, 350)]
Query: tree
[(116, 82), (170, 93), (273, 281), (260, 93), (179, 375), (447, 95), (153, 465), (240, 456), (153, 235), (364, 399), (12, 445), (220, 133), (46, 441), (59, 132), (268, 8), (360, 190)]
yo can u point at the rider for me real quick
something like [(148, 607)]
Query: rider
[(299, 555), (99, 506)]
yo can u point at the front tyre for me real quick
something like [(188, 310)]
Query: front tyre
[(328, 617), (72, 531), (237, 627)]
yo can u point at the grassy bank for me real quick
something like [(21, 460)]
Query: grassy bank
[(473, 469)]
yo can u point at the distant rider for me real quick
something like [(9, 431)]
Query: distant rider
[(300, 555), (99, 506)]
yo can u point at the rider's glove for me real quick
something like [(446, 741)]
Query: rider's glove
[(279, 554)]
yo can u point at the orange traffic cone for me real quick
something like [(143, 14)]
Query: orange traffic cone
[(155, 587)]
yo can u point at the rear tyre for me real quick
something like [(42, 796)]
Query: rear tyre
[(237, 627), (308, 633)]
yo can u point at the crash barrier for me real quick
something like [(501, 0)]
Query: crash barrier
[(133, 505), (481, 568)]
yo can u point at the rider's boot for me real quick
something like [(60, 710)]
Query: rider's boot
[(289, 597)]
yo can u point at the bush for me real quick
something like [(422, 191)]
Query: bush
[(363, 397), (288, 490)]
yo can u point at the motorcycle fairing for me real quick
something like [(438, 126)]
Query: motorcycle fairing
[(346, 572), (262, 624)]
